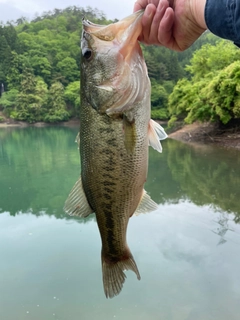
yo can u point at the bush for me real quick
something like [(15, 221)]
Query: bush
[(59, 115), (172, 122), (159, 114)]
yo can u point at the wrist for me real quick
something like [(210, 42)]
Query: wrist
[(198, 12)]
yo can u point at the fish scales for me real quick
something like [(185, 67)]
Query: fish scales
[(115, 133), (110, 175)]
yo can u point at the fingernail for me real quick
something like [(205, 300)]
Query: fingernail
[(167, 14)]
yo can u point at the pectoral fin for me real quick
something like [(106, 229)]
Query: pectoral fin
[(146, 204), (76, 203), (156, 133), (130, 134)]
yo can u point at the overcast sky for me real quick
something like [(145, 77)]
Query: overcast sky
[(14, 9)]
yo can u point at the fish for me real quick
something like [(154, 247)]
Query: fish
[(114, 137)]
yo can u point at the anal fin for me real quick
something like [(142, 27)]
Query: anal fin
[(76, 203)]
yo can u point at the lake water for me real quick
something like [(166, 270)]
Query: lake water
[(187, 252)]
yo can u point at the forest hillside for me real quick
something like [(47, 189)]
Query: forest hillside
[(40, 80)]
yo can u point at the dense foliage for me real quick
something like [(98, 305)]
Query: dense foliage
[(40, 63), (213, 91)]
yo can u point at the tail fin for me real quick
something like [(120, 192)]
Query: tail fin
[(114, 276)]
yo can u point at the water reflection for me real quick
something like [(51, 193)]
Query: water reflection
[(50, 264), (40, 165), (222, 227), (204, 175), (32, 162)]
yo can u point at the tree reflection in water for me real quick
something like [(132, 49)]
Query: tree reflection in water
[(39, 166)]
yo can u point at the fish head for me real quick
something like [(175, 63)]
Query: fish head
[(113, 70)]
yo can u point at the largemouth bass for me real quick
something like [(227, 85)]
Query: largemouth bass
[(115, 132)]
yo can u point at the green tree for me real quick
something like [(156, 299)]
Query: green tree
[(42, 67), (211, 58), (8, 101), (213, 92), (10, 34), (32, 98), (56, 104), (13, 78), (5, 58), (69, 69), (184, 98), (72, 96), (159, 99), (221, 97)]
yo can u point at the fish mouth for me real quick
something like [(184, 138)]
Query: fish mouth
[(130, 20), (91, 27), (132, 28), (123, 33)]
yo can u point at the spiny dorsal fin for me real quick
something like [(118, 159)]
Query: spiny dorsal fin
[(145, 205), (156, 133), (76, 203)]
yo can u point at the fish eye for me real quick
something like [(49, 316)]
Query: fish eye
[(87, 54)]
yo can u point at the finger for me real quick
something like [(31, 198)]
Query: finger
[(165, 30), (137, 7), (140, 4), (162, 6), (155, 2), (147, 19)]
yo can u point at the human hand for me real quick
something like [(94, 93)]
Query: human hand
[(175, 24)]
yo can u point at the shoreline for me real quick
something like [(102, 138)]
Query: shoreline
[(208, 134), (197, 133), (22, 124)]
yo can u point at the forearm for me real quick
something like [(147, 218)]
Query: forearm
[(198, 11), (223, 18)]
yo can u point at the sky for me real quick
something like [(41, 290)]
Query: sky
[(14, 9)]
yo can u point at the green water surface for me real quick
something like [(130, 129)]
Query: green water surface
[(187, 251)]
